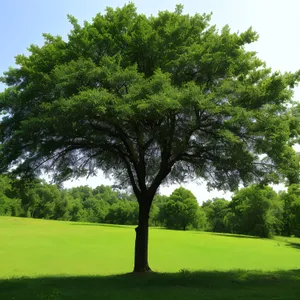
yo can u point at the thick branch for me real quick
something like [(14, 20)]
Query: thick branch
[(136, 190), (141, 165), (138, 164)]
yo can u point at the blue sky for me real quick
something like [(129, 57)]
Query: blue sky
[(22, 23)]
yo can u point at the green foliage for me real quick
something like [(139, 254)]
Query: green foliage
[(9, 205), (154, 215), (97, 210), (182, 211), (46, 201), (258, 211), (148, 99), (218, 213), (123, 212), (291, 219), (76, 210)]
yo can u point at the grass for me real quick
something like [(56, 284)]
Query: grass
[(55, 260)]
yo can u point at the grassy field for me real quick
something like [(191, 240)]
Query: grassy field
[(55, 260)]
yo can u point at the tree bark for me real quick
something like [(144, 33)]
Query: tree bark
[(141, 264)]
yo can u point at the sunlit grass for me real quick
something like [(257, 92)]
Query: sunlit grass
[(34, 248), (75, 261)]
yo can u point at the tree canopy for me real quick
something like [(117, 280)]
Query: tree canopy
[(148, 99)]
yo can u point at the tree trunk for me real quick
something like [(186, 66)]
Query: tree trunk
[(141, 240)]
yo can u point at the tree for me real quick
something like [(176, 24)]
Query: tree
[(154, 215), (258, 211), (45, 201), (291, 215), (181, 210), (123, 212), (82, 192), (76, 210), (147, 99), (96, 210), (9, 205), (106, 193), (217, 211)]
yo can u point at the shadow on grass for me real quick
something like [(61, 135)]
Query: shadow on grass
[(240, 236), (184, 285), (294, 245)]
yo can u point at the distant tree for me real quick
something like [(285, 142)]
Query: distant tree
[(22, 188), (201, 221), (154, 215), (217, 212), (123, 212), (147, 99), (106, 193), (6, 187), (96, 210), (181, 211), (160, 200), (33, 203), (9, 205), (291, 215), (181, 194), (76, 210), (258, 211), (45, 201), (82, 192)]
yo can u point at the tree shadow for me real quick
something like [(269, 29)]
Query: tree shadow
[(294, 245), (185, 285), (240, 236)]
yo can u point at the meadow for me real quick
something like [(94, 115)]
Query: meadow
[(55, 260)]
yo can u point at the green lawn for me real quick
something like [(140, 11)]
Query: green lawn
[(54, 260)]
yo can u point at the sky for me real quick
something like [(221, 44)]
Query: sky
[(277, 22)]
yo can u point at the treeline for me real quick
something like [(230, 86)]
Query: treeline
[(255, 210), (38, 199)]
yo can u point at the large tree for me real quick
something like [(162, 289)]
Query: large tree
[(147, 99)]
